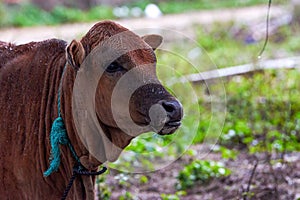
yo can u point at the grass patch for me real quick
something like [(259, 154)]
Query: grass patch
[(200, 172), (171, 7), (27, 14), (30, 15)]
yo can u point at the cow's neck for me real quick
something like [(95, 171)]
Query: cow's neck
[(66, 110), (68, 78)]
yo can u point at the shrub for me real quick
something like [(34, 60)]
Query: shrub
[(200, 171)]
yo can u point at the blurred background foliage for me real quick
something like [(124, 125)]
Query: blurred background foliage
[(21, 13), (263, 108)]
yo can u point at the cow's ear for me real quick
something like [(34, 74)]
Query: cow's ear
[(75, 54), (153, 40)]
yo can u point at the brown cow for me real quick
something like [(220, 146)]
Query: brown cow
[(30, 76)]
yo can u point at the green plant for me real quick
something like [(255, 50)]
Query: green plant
[(264, 113), (192, 5), (100, 12), (143, 150), (226, 153), (123, 179), (248, 195), (169, 197), (66, 15), (175, 196), (27, 14), (63, 15), (103, 188), (143, 179), (201, 172), (127, 196)]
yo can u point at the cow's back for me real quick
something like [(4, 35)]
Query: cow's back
[(29, 78)]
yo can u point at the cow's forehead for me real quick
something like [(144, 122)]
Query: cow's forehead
[(138, 57), (128, 49), (131, 49), (113, 35)]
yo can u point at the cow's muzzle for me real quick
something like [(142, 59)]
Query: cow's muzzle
[(166, 116)]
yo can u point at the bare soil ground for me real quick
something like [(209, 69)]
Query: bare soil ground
[(280, 182)]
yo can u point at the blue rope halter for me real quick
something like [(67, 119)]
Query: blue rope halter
[(58, 135)]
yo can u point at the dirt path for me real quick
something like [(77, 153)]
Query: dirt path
[(282, 184), (178, 22)]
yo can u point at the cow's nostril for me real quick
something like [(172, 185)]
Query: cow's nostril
[(173, 109), (169, 106)]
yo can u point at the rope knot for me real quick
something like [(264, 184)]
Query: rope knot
[(59, 131), (58, 136)]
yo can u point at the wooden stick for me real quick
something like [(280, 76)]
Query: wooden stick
[(283, 63)]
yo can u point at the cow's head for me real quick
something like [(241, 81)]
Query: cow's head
[(140, 97)]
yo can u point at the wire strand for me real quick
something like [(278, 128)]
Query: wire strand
[(267, 30)]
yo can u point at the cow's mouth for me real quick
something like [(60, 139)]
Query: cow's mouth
[(170, 127)]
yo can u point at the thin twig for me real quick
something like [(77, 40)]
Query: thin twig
[(251, 178), (275, 178), (267, 30)]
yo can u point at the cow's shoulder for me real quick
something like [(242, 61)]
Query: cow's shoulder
[(51, 45)]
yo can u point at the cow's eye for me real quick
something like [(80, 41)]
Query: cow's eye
[(114, 67)]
